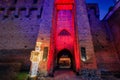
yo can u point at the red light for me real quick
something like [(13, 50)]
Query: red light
[(64, 1), (63, 21), (64, 7)]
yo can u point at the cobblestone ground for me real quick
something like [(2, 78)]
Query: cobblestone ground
[(63, 75), (66, 75), (70, 75)]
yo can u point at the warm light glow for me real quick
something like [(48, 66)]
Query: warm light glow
[(36, 57), (83, 59), (38, 46), (65, 59), (38, 43)]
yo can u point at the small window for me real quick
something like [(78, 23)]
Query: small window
[(22, 9), (33, 8), (12, 8), (41, 10), (15, 1), (35, 1), (83, 54), (45, 53), (88, 16), (2, 9)]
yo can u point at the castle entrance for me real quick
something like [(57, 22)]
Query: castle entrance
[(64, 59), (64, 51)]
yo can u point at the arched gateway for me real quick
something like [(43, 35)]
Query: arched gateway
[(64, 51), (64, 33), (64, 60)]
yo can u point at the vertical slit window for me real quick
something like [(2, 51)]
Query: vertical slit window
[(2, 11), (15, 1), (83, 54), (45, 53), (41, 10)]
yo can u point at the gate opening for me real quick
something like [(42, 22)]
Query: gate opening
[(64, 60)]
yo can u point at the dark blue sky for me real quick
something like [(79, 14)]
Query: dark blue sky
[(103, 6)]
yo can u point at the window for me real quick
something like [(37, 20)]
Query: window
[(64, 33), (45, 53), (15, 1), (83, 54), (35, 1), (41, 10), (12, 8), (2, 11)]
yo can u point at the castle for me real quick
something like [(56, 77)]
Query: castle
[(70, 33)]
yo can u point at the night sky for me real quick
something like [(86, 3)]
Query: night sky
[(103, 5)]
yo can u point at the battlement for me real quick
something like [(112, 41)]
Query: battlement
[(18, 3), (18, 8), (94, 7)]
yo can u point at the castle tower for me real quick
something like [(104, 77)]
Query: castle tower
[(65, 31), (64, 39)]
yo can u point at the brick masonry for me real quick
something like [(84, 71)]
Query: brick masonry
[(25, 23)]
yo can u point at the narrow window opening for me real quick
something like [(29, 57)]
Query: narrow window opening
[(45, 53), (33, 8), (35, 1), (41, 10), (14, 1), (83, 54), (12, 8), (2, 9), (22, 9)]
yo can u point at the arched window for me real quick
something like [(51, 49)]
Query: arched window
[(64, 33)]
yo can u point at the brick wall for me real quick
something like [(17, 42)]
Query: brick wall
[(19, 27), (84, 33), (105, 51), (114, 25)]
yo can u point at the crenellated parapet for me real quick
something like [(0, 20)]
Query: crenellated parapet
[(24, 8)]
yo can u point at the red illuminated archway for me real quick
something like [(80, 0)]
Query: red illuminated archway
[(65, 54), (63, 33)]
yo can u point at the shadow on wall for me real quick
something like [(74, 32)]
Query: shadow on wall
[(8, 71), (21, 56)]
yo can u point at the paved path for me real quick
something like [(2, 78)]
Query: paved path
[(63, 75), (66, 75), (70, 75)]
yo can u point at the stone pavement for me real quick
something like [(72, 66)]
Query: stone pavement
[(63, 75), (66, 75), (70, 75)]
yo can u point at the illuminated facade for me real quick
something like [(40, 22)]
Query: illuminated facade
[(68, 37), (64, 30), (64, 33)]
